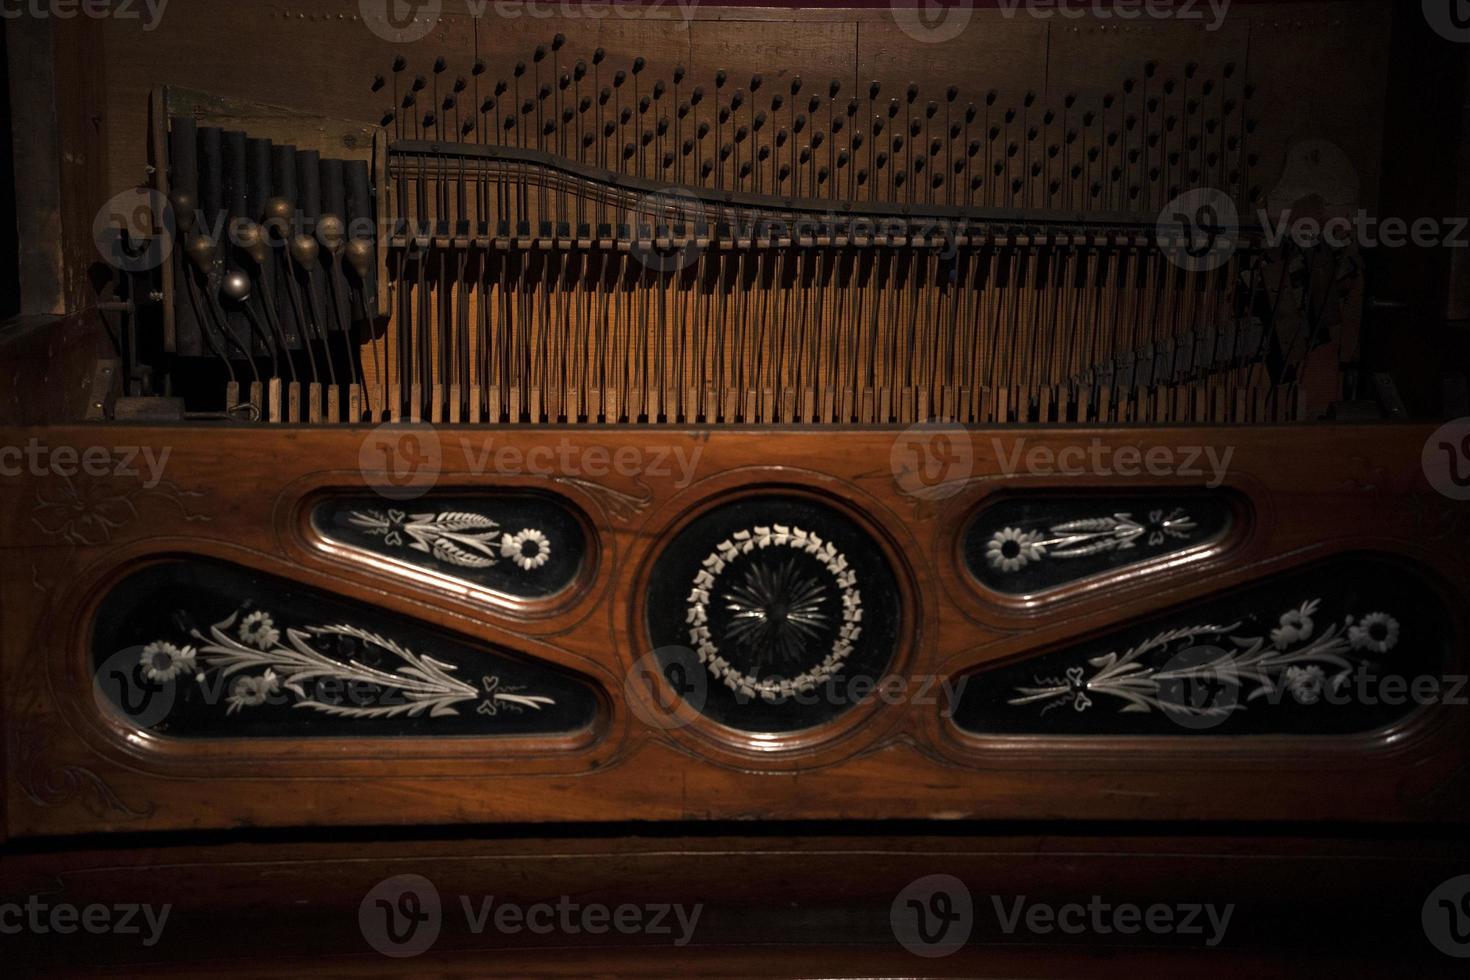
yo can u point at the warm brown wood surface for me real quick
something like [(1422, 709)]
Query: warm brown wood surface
[(230, 493), (775, 905)]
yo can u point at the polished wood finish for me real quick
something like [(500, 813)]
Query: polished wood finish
[(1301, 905), (230, 494)]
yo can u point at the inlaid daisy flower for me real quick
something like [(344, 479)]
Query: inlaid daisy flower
[(1011, 548), (529, 548), (1296, 626), (259, 630), (1378, 632), (247, 692), (162, 662)]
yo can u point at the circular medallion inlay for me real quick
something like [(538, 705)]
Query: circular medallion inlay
[(773, 614)]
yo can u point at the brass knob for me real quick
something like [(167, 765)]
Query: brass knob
[(304, 250), (184, 209), (360, 257), (330, 230), (277, 215), (236, 286), (201, 252)]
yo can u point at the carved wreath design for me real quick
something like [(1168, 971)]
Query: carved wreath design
[(248, 650), (462, 538), (1289, 659), (1011, 549), (767, 583)]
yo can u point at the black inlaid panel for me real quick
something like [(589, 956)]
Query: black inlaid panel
[(200, 648), (1346, 646), (1024, 545), (773, 614), (520, 544)]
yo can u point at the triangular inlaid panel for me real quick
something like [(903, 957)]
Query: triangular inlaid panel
[(202, 648)]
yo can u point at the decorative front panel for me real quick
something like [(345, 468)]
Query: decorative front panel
[(1024, 545), (773, 614), (197, 648), (1348, 646), (523, 545)]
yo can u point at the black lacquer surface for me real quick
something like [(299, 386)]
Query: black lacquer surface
[(793, 606), (201, 648), (1349, 645)]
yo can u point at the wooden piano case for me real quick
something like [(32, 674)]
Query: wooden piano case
[(670, 480)]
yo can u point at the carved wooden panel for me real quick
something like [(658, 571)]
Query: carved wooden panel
[(238, 511)]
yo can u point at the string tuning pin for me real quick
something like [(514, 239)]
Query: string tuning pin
[(378, 82), (539, 55), (558, 42), (440, 65), (912, 94), (697, 96), (478, 68), (419, 83), (795, 84), (638, 65), (755, 83), (678, 74), (833, 87), (598, 55), (399, 63)]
